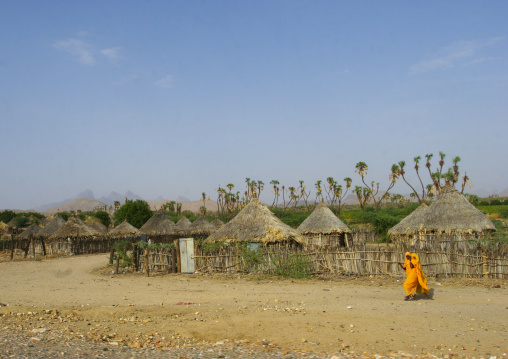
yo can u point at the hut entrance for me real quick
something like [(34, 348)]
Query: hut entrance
[(187, 255)]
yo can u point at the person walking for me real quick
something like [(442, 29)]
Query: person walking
[(416, 281)]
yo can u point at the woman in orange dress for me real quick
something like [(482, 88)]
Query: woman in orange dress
[(416, 281)]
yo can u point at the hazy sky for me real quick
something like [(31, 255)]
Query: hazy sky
[(169, 98)]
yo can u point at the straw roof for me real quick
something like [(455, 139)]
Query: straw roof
[(75, 228), (410, 224), (183, 223), (201, 226), (256, 223), (452, 212), (125, 229), (31, 231), (217, 223), (98, 226), (322, 221), (159, 224), (3, 227), (54, 225)]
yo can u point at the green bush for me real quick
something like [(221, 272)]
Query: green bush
[(124, 253), (7, 216), (293, 266), (64, 215), (252, 258), (103, 216), (503, 212), (135, 212)]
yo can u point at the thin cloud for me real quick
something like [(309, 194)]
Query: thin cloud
[(77, 48), (111, 53), (461, 52), (165, 82)]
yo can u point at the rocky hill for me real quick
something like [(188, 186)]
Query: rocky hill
[(84, 204)]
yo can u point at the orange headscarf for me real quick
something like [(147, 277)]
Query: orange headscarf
[(406, 265)]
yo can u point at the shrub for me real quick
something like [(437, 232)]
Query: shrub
[(293, 266), (7, 216), (503, 212), (135, 212), (103, 216)]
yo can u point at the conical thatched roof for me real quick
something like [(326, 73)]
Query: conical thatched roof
[(322, 220), (451, 212), (256, 223), (159, 224), (54, 225), (125, 229), (217, 223), (183, 223), (75, 228), (31, 231), (98, 226), (410, 224), (201, 227)]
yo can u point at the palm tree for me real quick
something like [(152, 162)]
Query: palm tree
[(402, 164), (441, 161), (455, 167), (276, 192), (319, 190), (417, 167), (465, 181)]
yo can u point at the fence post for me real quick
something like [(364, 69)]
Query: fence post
[(485, 265)]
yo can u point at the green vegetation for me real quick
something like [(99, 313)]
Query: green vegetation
[(135, 212), (103, 216), (501, 233), (292, 266), (7, 216)]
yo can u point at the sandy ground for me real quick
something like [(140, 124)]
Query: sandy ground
[(79, 295)]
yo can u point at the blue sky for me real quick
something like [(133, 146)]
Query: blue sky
[(170, 98)]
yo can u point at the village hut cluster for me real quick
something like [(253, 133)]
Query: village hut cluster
[(447, 234)]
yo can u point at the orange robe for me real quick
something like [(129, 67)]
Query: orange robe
[(416, 280)]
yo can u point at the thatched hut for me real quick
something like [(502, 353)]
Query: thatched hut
[(124, 230), (51, 227), (201, 228), (30, 232), (76, 237), (159, 228), (27, 240), (452, 217), (98, 226), (5, 237), (407, 230), (217, 223), (256, 224), (183, 226), (324, 228), (255, 239)]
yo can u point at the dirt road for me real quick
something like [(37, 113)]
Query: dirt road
[(465, 318)]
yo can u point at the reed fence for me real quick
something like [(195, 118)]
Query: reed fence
[(460, 259)]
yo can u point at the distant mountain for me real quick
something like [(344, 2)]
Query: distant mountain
[(83, 204), (112, 197), (115, 196), (504, 193), (86, 193)]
